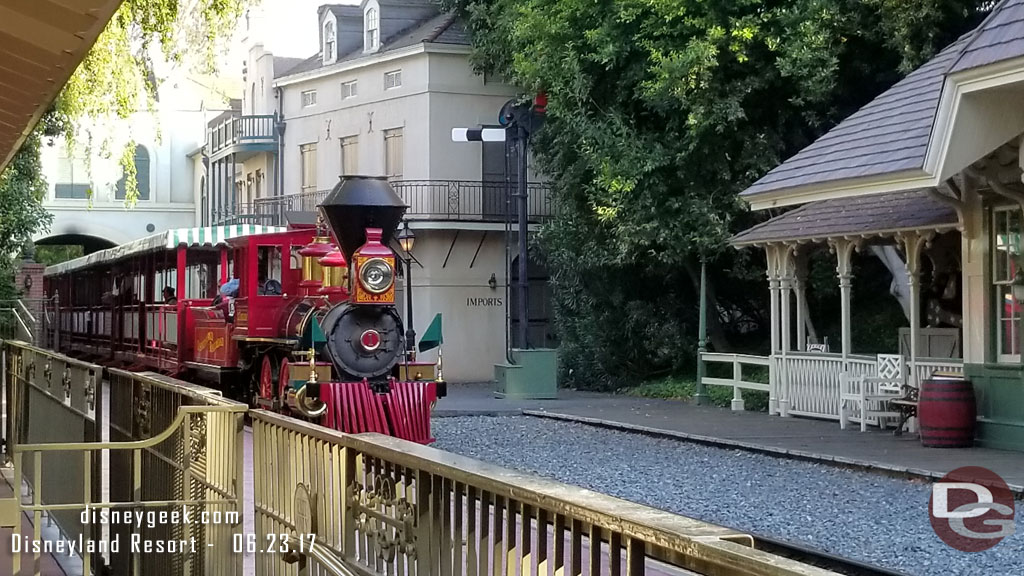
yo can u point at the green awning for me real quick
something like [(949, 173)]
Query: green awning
[(168, 240), (214, 235)]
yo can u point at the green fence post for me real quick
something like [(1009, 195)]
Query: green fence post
[(701, 397)]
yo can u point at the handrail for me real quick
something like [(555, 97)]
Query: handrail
[(50, 353), (17, 316), (136, 444), (744, 358), (31, 317), (445, 479), (333, 564)]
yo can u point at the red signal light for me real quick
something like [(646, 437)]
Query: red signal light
[(540, 103)]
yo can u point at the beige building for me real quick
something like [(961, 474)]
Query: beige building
[(380, 98)]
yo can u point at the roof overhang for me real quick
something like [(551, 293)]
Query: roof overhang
[(980, 110), (207, 236), (880, 217), (371, 59), (42, 42)]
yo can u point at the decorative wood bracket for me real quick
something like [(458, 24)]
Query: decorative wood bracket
[(997, 186), (913, 245), (843, 249), (956, 202)]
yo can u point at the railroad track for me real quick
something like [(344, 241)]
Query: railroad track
[(820, 559)]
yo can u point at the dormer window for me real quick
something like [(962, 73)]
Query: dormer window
[(372, 30), (329, 42)]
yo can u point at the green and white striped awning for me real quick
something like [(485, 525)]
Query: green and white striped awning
[(204, 236), (214, 235)]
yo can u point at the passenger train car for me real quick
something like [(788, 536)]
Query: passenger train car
[(298, 319)]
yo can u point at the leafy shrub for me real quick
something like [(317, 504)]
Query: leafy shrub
[(681, 389)]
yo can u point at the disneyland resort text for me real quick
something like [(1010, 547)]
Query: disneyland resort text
[(135, 519), (136, 544)]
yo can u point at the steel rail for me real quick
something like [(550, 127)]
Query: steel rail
[(821, 559)]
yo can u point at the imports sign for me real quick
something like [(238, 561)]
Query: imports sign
[(484, 302)]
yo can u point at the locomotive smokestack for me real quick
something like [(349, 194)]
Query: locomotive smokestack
[(360, 202)]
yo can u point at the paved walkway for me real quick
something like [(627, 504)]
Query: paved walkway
[(818, 440)]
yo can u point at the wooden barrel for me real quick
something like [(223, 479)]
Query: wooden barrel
[(947, 411)]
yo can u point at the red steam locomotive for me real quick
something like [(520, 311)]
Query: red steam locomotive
[(299, 319)]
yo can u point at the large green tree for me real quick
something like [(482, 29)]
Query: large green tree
[(659, 113), (22, 189), (117, 78)]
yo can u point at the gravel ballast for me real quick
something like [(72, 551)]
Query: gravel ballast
[(858, 515)]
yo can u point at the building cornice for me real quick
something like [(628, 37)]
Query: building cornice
[(370, 60)]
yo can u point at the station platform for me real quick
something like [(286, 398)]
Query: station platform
[(792, 437)]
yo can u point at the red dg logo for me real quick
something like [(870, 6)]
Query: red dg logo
[(971, 509)]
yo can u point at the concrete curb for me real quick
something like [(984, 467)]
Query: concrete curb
[(837, 461), (470, 413)]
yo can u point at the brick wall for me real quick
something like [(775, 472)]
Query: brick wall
[(33, 270)]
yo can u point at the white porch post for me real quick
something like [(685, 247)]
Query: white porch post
[(801, 301), (913, 242), (843, 248), (786, 269), (771, 254)]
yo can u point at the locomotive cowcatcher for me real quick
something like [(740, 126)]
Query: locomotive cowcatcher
[(300, 320)]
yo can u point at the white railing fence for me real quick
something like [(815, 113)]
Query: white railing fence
[(737, 383), (807, 383), (811, 382)]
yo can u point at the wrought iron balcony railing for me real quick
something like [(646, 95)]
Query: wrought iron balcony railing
[(443, 200), (258, 129)]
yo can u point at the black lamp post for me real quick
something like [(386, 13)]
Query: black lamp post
[(406, 239)]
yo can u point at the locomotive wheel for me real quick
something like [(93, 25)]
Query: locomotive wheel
[(268, 375), (283, 383)]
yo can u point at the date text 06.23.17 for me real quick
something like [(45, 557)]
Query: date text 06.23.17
[(273, 543)]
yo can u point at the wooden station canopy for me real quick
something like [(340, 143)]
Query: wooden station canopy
[(882, 216), (42, 42)]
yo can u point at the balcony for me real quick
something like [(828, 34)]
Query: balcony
[(437, 200), (243, 136)]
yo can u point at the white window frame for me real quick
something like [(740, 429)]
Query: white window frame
[(394, 77), (1002, 278), (304, 150), (349, 145), (372, 33), (330, 42), (349, 89), (389, 170), (308, 98)]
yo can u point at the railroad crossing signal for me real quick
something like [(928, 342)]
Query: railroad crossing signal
[(478, 134), (520, 120)]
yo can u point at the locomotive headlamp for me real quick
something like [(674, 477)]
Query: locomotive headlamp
[(376, 275)]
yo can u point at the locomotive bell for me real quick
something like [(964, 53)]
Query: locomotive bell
[(311, 255), (334, 268), (360, 202)]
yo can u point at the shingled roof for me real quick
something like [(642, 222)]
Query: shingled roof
[(438, 29), (890, 135), (883, 214)]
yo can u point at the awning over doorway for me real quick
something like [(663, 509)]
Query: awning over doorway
[(857, 217)]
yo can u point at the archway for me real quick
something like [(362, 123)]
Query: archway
[(88, 242), (540, 331)]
